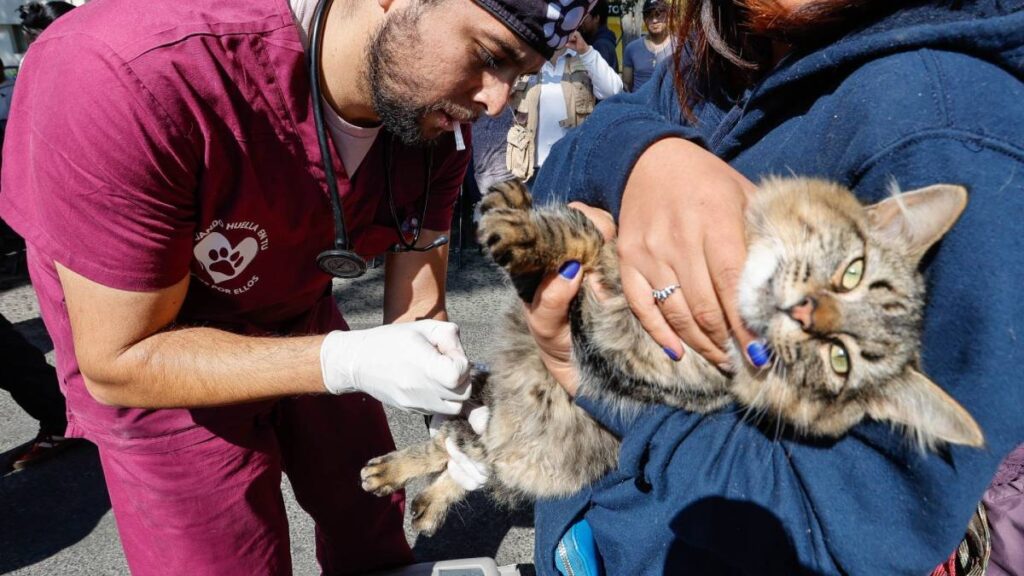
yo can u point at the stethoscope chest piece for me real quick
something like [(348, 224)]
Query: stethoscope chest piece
[(341, 263)]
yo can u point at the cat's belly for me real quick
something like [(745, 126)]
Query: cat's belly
[(548, 451)]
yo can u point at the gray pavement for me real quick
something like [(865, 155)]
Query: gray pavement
[(56, 518)]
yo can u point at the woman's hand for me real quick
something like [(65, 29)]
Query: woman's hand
[(682, 224), (548, 314)]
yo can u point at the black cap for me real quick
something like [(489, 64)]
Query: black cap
[(544, 24), (654, 5)]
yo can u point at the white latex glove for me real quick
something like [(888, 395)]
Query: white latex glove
[(416, 366), (478, 418), (476, 414), (465, 471)]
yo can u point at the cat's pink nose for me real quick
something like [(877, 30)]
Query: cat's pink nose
[(803, 311)]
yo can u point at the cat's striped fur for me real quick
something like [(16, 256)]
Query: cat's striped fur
[(832, 285)]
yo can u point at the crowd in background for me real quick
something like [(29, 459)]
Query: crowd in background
[(543, 107)]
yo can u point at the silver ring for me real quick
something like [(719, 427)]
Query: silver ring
[(661, 295)]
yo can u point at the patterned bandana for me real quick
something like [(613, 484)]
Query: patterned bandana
[(544, 24)]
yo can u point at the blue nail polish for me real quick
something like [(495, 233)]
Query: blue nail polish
[(570, 269), (671, 354), (758, 353)]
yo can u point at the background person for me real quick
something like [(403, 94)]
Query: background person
[(162, 166), (26, 375), (490, 148), (642, 55), (549, 104), (1004, 507), (595, 32), (32, 383), (691, 490), (36, 16)]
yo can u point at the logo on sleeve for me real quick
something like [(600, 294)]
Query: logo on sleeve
[(223, 260)]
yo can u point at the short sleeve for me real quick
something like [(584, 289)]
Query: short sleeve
[(96, 175), (627, 56)]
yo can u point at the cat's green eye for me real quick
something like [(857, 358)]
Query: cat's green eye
[(853, 274), (839, 359)]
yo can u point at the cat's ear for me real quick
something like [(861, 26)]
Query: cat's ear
[(917, 219), (928, 412)]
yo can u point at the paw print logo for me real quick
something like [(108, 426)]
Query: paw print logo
[(225, 262), (221, 260), (564, 17)]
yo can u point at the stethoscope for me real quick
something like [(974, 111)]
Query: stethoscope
[(341, 261)]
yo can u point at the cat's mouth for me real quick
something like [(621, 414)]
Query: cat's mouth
[(787, 340), (785, 337)]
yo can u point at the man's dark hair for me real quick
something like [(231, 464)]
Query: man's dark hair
[(601, 11), (39, 15), (651, 6)]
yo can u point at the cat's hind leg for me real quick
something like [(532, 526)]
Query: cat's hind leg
[(430, 507), (391, 472)]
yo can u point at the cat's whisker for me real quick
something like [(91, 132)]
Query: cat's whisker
[(744, 413), (752, 413), (782, 402), (762, 413), (754, 405), (458, 509), (781, 370)]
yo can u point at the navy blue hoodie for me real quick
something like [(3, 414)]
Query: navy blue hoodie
[(930, 94)]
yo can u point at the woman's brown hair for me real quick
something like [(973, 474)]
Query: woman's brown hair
[(726, 45)]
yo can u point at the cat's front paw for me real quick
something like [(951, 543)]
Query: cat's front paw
[(511, 194), (510, 236), (382, 475)]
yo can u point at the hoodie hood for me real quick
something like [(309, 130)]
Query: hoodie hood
[(992, 30), (989, 30)]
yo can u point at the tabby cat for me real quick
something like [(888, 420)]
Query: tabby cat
[(830, 284)]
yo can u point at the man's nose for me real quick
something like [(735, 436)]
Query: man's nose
[(493, 95)]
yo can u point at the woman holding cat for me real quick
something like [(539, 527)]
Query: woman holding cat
[(862, 92)]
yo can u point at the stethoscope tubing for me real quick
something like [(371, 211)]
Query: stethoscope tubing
[(342, 261), (315, 45)]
